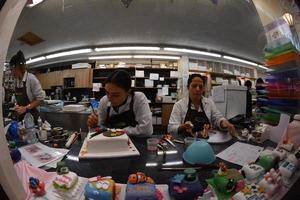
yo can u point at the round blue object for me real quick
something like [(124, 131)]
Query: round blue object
[(15, 155), (199, 152)]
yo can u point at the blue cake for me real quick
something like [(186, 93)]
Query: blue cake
[(140, 191), (100, 188), (185, 186)]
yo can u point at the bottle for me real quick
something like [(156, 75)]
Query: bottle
[(31, 135), (29, 128), (40, 122)]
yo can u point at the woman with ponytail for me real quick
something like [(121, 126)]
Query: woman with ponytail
[(28, 90), (121, 107)]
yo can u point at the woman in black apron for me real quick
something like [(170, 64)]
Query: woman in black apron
[(18, 69), (196, 119), (123, 108)]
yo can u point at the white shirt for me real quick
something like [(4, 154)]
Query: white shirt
[(33, 87), (141, 110), (180, 109)]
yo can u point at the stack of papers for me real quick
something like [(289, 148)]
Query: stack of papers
[(39, 155), (240, 153)]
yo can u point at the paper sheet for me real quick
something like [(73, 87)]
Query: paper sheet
[(96, 87), (173, 74), (154, 76), (39, 154), (165, 90), (240, 153), (149, 83), (139, 73)]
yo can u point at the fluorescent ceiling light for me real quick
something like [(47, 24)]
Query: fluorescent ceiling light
[(260, 66), (239, 60), (34, 3), (68, 53), (157, 57), (127, 48), (109, 57), (154, 164), (205, 53), (35, 60), (173, 163), (167, 152)]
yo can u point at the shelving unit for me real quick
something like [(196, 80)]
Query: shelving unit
[(161, 111)]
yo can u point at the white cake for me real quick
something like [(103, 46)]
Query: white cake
[(102, 144)]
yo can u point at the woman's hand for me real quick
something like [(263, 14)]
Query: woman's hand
[(230, 127), (20, 109), (92, 121), (186, 128)]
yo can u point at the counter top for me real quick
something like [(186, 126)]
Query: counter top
[(120, 168)]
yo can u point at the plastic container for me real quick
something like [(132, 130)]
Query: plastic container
[(29, 120), (292, 134), (152, 144), (31, 136)]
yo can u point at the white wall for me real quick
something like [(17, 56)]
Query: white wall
[(9, 15)]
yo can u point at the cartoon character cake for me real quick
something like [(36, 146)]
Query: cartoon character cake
[(100, 188), (226, 182)]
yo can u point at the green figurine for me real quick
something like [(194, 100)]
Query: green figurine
[(61, 168)]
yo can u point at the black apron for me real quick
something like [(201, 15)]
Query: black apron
[(123, 119), (23, 100), (198, 119)]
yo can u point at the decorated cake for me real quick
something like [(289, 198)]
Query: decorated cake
[(268, 160), (67, 184), (252, 172), (287, 169), (226, 182), (185, 186), (251, 192), (271, 182), (100, 188), (140, 187), (112, 140)]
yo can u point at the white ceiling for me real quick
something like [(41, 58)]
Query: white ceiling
[(232, 26)]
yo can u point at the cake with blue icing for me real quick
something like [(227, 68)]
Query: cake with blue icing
[(140, 187), (100, 188), (185, 186)]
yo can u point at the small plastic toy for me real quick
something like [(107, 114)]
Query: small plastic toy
[(61, 168), (37, 187)]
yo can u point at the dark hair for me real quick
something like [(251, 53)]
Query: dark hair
[(120, 78), (248, 84), (259, 81), (18, 60), (192, 76)]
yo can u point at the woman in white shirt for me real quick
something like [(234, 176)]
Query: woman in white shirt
[(194, 113), (123, 108), (28, 90)]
